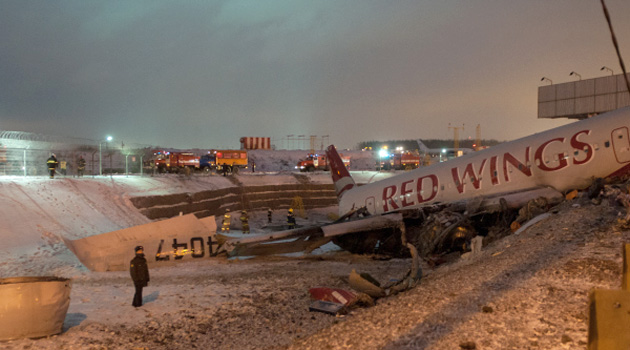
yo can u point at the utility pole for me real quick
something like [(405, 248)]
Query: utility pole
[(325, 141), (478, 138)]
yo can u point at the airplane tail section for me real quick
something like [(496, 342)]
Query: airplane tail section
[(340, 175), (422, 146)]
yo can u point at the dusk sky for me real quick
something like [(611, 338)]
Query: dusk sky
[(202, 74)]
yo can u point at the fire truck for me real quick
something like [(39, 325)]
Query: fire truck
[(314, 162), (174, 162), (401, 161)]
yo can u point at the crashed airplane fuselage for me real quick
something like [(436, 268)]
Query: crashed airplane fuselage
[(507, 175), (544, 164)]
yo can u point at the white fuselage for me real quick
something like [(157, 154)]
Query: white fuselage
[(563, 158)]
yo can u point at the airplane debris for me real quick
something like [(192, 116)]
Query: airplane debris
[(335, 295), (533, 208), (328, 307), (532, 222), (571, 195), (365, 283), (170, 240), (475, 248)]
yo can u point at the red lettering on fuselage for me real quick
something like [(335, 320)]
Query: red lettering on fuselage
[(427, 186), (434, 188), (403, 191), (469, 171), (578, 145), (540, 162), (494, 175), (524, 168), (390, 192), (388, 198)]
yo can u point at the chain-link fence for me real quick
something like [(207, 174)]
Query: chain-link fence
[(25, 154), (32, 162)]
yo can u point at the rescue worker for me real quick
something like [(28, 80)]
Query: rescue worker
[(245, 221), (52, 165), (227, 218), (269, 215), (224, 169), (290, 219), (80, 166), (139, 274)]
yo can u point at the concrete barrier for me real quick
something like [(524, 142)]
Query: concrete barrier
[(33, 307), (214, 202), (609, 320)]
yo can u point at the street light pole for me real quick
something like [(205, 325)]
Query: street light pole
[(547, 79), (100, 157), (100, 154), (576, 74)]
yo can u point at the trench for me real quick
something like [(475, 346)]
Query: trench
[(251, 198)]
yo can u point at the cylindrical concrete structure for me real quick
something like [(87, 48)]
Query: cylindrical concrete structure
[(33, 307)]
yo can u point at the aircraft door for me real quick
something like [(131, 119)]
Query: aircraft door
[(370, 205), (621, 144)]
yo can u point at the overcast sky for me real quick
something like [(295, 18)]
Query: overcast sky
[(205, 73)]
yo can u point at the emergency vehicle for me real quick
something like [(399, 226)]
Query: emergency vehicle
[(314, 162), (174, 162)]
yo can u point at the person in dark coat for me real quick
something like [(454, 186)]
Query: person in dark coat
[(80, 166), (52, 164), (139, 274)]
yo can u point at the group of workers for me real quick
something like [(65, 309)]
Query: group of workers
[(52, 163), (227, 220)]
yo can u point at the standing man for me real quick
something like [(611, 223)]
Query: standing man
[(290, 219), (52, 165), (269, 215), (80, 166), (245, 221), (227, 220), (139, 274)]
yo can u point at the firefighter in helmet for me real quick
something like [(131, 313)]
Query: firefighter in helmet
[(290, 219), (80, 166), (52, 164), (227, 219), (245, 221)]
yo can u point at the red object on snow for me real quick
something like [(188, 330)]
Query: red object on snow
[(335, 295)]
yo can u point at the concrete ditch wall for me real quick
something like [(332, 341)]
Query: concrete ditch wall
[(215, 202)]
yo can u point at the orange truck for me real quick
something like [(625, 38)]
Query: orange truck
[(314, 162), (233, 159)]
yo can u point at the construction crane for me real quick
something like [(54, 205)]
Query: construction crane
[(455, 135)]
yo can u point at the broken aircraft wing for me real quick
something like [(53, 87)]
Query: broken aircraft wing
[(305, 238)]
